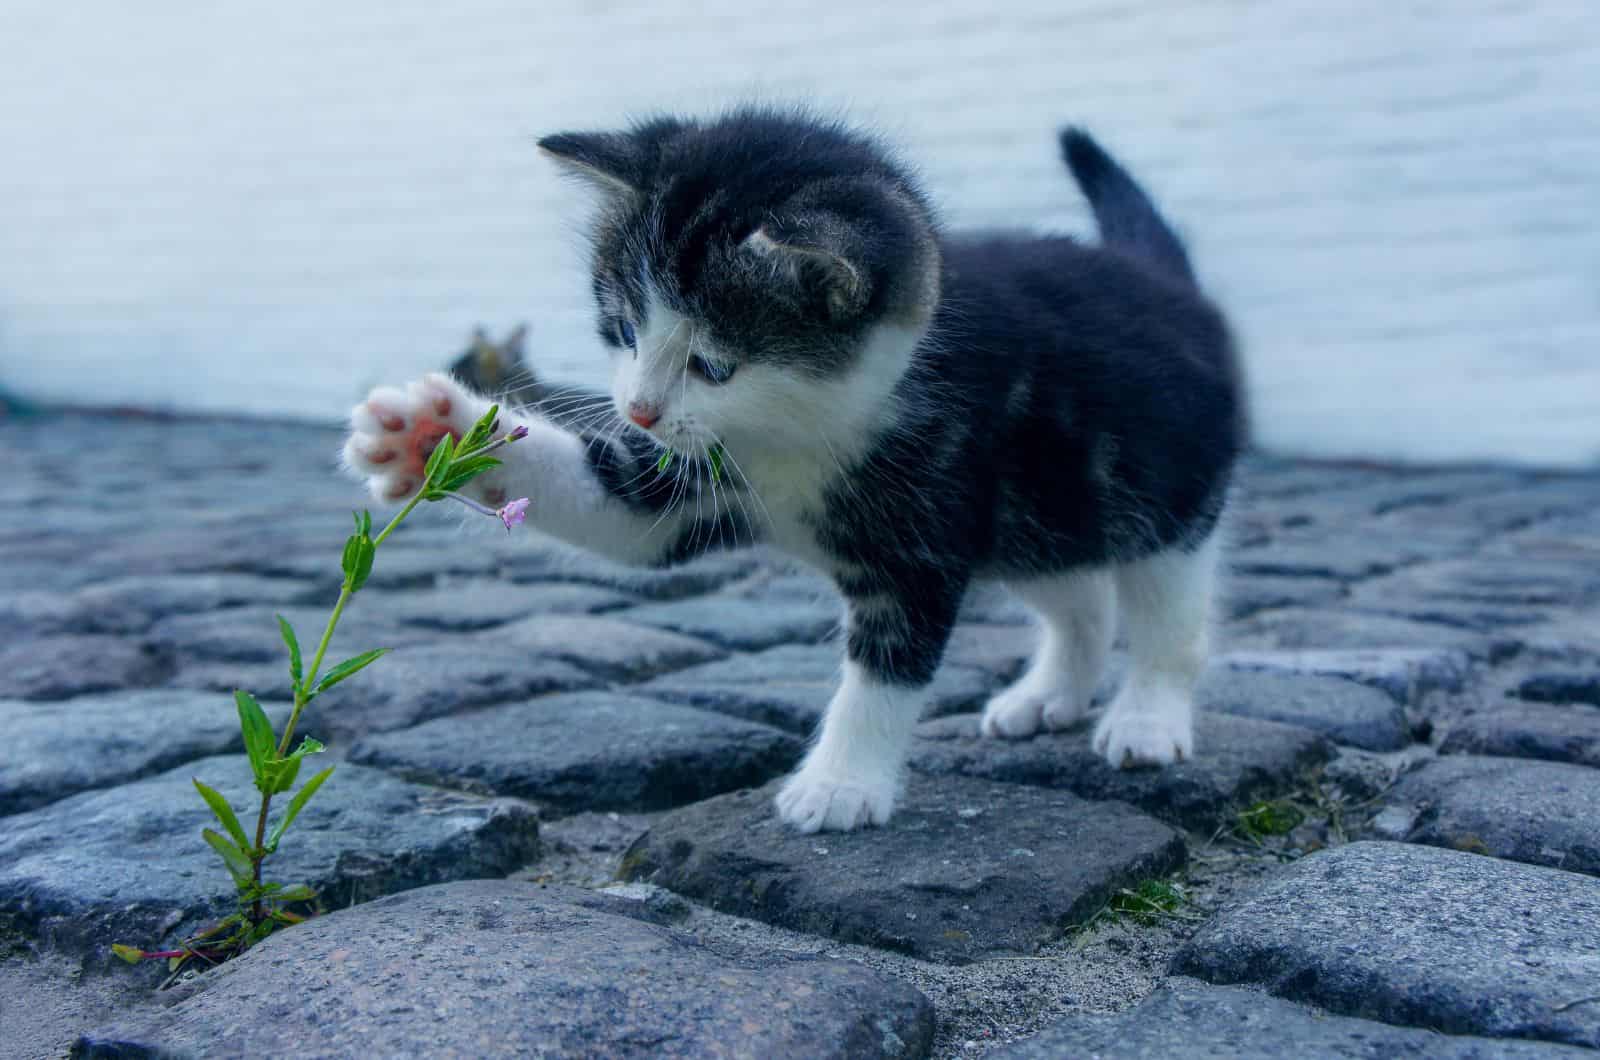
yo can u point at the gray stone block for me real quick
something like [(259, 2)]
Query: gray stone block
[(128, 865), (1417, 936), (501, 968), (1342, 710), (610, 648), (743, 624), (1562, 686), (1558, 733), (1238, 761), (1405, 674), (468, 606), (1190, 1019), (965, 869), (68, 664), (60, 748), (1544, 813), (421, 682), (789, 686), (588, 751)]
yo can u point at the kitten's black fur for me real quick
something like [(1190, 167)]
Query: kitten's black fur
[(1070, 406)]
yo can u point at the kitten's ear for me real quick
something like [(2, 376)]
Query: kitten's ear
[(612, 162), (814, 257), (514, 341)]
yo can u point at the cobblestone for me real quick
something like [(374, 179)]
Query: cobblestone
[(1407, 654)]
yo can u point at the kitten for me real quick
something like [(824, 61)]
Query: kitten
[(907, 410)]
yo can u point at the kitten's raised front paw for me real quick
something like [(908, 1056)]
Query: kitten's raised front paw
[(1022, 711), (1130, 737), (394, 431), (812, 802)]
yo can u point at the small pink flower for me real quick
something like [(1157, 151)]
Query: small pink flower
[(514, 512)]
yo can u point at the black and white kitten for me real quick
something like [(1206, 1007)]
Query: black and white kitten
[(902, 408)]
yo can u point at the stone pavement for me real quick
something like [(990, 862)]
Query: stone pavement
[(550, 828)]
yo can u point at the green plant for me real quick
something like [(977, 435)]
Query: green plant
[(713, 459), (263, 906), (1149, 902), (1265, 819)]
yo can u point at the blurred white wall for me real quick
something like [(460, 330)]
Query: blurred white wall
[(269, 207)]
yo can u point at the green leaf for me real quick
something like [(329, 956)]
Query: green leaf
[(665, 461), (349, 667), (356, 563), (297, 804), (294, 650), (440, 458), (131, 954), (257, 729), (715, 456), (298, 892), (225, 814), (478, 437), (464, 471), (281, 774), (368, 550), (239, 866)]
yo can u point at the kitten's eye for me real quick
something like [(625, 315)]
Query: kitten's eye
[(710, 371), (626, 334)]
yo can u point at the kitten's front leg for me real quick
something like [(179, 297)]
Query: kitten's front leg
[(852, 775), (583, 490)]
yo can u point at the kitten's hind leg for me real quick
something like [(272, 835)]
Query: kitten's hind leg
[(1166, 609), (1077, 617)]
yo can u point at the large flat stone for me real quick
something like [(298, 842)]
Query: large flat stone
[(742, 623), (1245, 595), (1342, 710), (1418, 936), (1544, 813), (1513, 728), (1405, 674), (1303, 629), (1188, 1018), (790, 686), (500, 969), (131, 604), (588, 751), (704, 575), (468, 606), (427, 681), (251, 634), (1562, 686), (67, 665), (55, 749), (1237, 761), (965, 869), (128, 865), (610, 648)]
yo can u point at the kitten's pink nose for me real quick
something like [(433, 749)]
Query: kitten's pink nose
[(643, 413)]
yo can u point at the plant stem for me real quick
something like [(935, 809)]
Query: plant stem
[(259, 854)]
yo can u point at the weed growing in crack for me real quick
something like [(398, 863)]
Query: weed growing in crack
[(265, 906)]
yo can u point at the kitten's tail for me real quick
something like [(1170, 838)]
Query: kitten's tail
[(1126, 216)]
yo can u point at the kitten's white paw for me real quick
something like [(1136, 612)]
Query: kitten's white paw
[(1129, 736), (394, 431), (1022, 711), (813, 802)]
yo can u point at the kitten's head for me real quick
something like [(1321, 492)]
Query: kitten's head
[(761, 277)]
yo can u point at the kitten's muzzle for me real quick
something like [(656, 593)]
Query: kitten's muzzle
[(644, 413)]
